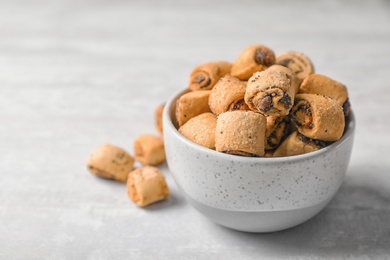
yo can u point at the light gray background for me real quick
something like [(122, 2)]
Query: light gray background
[(78, 74)]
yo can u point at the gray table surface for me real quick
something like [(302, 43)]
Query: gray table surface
[(78, 74)]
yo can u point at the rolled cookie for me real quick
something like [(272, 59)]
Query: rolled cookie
[(289, 71), (299, 64), (278, 127), (318, 117), (297, 143), (201, 130), (158, 118), (323, 85), (192, 104), (110, 162), (206, 75), (270, 92), (146, 185), (240, 133), (149, 150), (228, 95), (253, 59)]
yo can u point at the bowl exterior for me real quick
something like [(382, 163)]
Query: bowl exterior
[(214, 182), (257, 222)]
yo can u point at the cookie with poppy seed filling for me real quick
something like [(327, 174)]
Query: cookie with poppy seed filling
[(270, 92), (295, 80), (318, 117), (205, 76), (323, 85), (252, 59), (228, 95), (278, 127), (298, 63), (240, 133), (296, 144)]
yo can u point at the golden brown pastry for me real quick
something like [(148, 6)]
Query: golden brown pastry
[(240, 133), (228, 95), (110, 162), (318, 117), (206, 75), (253, 59), (149, 150), (158, 118), (278, 127), (192, 104), (201, 130), (146, 185), (296, 144), (323, 85), (270, 92), (296, 81), (299, 64)]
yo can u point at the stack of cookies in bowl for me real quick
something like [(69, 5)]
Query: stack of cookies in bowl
[(262, 105)]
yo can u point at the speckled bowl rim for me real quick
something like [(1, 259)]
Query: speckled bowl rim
[(349, 130)]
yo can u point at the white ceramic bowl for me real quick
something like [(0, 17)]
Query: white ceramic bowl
[(255, 194)]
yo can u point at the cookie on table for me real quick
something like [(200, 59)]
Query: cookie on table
[(110, 162), (149, 150), (146, 185)]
